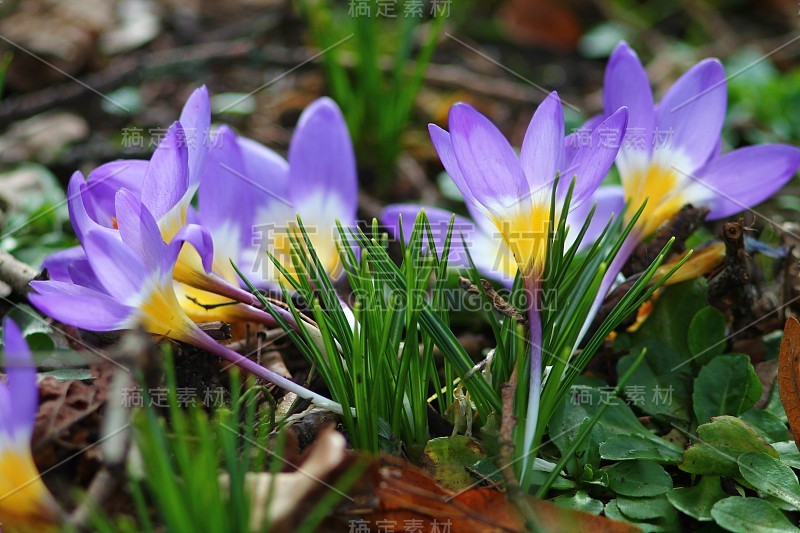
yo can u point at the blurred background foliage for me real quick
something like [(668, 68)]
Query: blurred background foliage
[(92, 81)]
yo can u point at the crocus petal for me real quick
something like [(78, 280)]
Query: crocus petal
[(322, 160), (104, 182), (608, 200), (81, 273), (196, 121), (82, 223), (80, 306), (118, 268), (167, 178), (21, 381), (139, 230), (57, 264), (743, 178), (488, 163), (626, 85), (439, 221), (199, 238), (591, 162), (693, 111), (579, 137), (226, 198), (543, 146), (267, 171)]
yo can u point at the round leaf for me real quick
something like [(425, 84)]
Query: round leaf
[(728, 385), (746, 515), (639, 479)]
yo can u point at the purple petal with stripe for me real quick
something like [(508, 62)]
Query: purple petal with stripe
[(439, 221), (267, 172), (199, 238), (322, 160), (745, 177), (21, 386), (104, 182), (609, 201), (79, 306), (592, 162), (167, 178), (81, 222), (57, 264), (626, 85), (579, 137), (196, 121), (543, 147), (118, 268), (693, 111), (226, 197), (488, 164), (139, 230)]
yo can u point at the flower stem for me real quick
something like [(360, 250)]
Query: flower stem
[(532, 286), (624, 253), (202, 340)]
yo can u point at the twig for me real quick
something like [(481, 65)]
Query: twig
[(680, 226), (217, 330), (506, 447), (136, 349), (15, 273), (497, 301)]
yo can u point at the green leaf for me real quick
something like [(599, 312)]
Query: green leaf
[(630, 447), (580, 501), (638, 478), (445, 458), (645, 508), (748, 515), (672, 315), (611, 510), (770, 476), (722, 441), (788, 452), (768, 425), (697, 501), (728, 385), (570, 415), (660, 386), (706, 336)]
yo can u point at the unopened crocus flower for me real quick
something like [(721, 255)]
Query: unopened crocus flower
[(135, 273), (25, 502), (514, 193), (671, 156), (485, 246)]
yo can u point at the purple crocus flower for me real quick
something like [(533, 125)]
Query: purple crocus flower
[(514, 193), (490, 253), (165, 185), (250, 197), (135, 271), (671, 152), (25, 502)]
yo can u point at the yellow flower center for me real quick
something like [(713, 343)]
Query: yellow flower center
[(25, 503), (658, 184), (526, 235)]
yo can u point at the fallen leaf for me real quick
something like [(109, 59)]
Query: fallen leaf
[(396, 494), (789, 376), (282, 509), (544, 22)]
